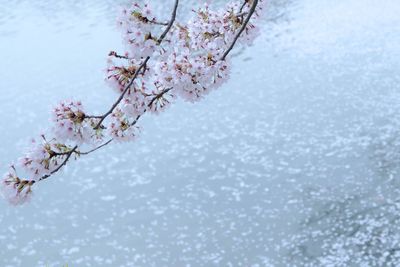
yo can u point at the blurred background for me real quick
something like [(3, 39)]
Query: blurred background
[(294, 162)]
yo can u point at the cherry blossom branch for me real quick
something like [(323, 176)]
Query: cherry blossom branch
[(171, 22), (115, 54), (189, 66), (103, 117), (95, 149), (160, 95), (251, 12), (116, 103), (68, 156)]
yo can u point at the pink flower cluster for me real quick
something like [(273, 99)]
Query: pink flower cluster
[(121, 126), (14, 189), (164, 61), (137, 23), (42, 158), (72, 124)]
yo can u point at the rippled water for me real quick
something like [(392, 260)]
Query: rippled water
[(283, 165)]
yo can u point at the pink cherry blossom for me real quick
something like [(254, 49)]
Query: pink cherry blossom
[(139, 28), (14, 189), (120, 127), (43, 157), (72, 124)]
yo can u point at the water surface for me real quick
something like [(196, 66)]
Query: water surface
[(291, 163)]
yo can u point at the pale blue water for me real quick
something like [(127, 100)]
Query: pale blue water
[(306, 131)]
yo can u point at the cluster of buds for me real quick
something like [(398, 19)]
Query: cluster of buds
[(44, 157), (16, 190), (191, 62), (121, 127), (72, 124), (137, 24), (192, 77)]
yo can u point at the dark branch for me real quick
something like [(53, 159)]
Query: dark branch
[(158, 23), (69, 154), (96, 148), (171, 22), (243, 5), (122, 94), (159, 95), (251, 12)]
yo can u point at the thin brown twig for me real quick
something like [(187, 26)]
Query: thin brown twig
[(115, 54), (242, 14), (158, 23), (159, 95), (92, 117), (243, 5), (171, 22), (96, 148), (72, 151)]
